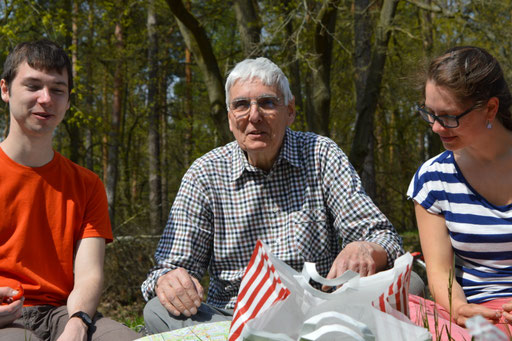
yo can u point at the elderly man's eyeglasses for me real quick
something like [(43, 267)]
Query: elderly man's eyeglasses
[(447, 121), (267, 106)]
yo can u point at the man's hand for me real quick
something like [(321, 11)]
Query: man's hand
[(11, 311), (75, 330), (179, 292), (359, 256), (465, 311)]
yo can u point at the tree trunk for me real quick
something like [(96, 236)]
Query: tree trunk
[(318, 119), (188, 117), (294, 71), (197, 41), (155, 183), (89, 145), (361, 152), (189, 113), (362, 47), (164, 150), (249, 26), (105, 130), (72, 126), (362, 58), (113, 147), (434, 145)]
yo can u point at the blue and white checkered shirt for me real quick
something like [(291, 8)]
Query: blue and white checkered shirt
[(310, 200)]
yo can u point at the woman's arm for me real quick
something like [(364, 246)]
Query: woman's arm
[(438, 252)]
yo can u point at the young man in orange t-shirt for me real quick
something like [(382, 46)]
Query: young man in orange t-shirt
[(54, 217)]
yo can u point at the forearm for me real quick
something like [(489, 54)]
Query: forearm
[(86, 294), (88, 280), (84, 297), (445, 291)]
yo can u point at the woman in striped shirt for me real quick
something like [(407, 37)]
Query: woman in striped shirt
[(463, 197)]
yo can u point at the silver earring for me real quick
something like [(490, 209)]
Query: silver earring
[(489, 125)]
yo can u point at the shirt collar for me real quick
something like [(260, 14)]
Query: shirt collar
[(290, 149), (240, 162), (289, 152)]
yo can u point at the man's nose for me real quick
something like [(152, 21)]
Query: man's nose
[(44, 95), (254, 112)]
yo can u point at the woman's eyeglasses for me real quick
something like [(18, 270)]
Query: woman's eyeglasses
[(447, 121)]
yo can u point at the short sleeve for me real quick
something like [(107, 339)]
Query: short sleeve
[(428, 187), (96, 222)]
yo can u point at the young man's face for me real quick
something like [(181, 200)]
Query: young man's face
[(37, 100)]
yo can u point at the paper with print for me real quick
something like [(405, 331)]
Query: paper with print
[(217, 331)]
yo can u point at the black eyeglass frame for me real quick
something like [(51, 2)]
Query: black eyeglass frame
[(425, 114)]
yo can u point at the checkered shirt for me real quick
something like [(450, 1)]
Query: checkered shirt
[(309, 205)]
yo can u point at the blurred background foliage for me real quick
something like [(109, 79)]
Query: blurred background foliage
[(149, 93)]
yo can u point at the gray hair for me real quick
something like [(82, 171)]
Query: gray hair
[(264, 69)]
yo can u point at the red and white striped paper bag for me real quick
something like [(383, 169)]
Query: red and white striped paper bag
[(261, 287)]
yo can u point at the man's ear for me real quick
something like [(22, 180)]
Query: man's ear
[(5, 90), (291, 111)]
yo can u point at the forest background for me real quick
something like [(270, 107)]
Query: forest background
[(149, 93)]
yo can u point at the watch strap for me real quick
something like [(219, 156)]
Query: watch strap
[(84, 317)]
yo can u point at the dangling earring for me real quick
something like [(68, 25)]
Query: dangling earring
[(489, 124)]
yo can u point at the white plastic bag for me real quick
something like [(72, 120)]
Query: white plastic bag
[(482, 330), (362, 309)]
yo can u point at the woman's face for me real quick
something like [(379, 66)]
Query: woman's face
[(441, 101)]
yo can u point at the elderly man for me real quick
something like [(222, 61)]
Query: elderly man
[(295, 191)]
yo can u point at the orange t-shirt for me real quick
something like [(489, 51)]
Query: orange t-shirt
[(44, 211)]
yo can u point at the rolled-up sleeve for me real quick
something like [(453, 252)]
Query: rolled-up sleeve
[(356, 217)]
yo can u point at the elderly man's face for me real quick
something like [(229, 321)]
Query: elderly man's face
[(258, 119)]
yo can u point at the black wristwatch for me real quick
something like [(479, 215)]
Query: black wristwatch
[(84, 317)]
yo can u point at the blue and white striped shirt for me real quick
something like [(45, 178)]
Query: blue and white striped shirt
[(480, 232)]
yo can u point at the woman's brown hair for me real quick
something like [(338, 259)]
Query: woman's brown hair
[(474, 75)]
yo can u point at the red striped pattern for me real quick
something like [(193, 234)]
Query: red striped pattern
[(261, 287), (397, 295)]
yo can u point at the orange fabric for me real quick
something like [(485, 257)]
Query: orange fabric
[(44, 211)]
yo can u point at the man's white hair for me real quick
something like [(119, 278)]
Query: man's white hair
[(265, 70)]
